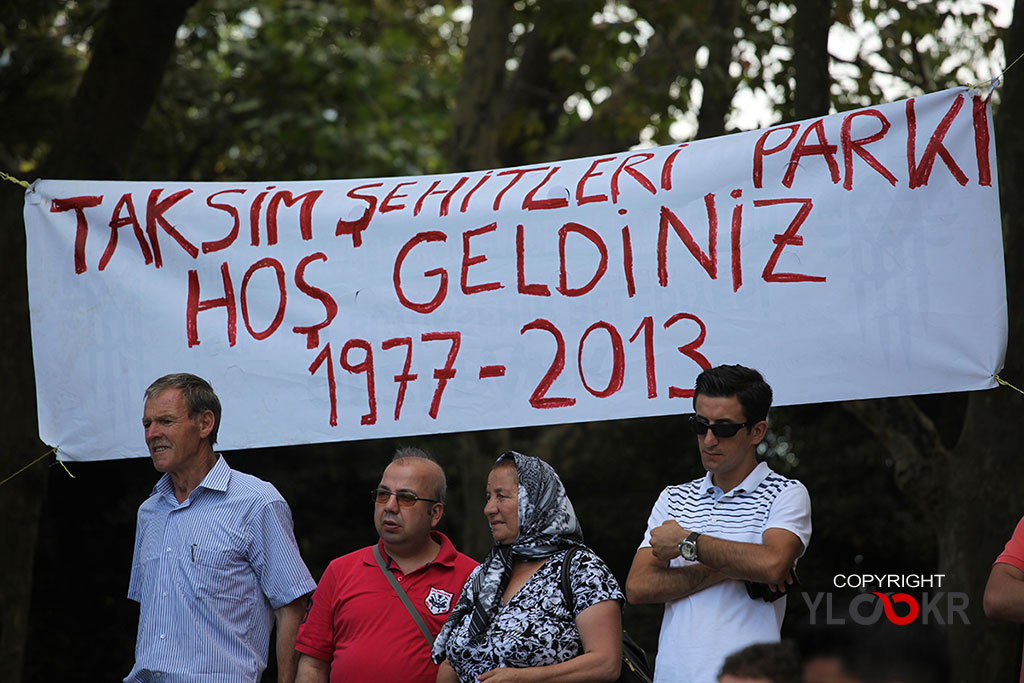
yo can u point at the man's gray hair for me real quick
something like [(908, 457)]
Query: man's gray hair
[(197, 392), (406, 452)]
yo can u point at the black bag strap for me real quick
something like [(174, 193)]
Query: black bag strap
[(567, 594), (403, 597)]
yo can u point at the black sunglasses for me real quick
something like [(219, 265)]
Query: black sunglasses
[(405, 499), (721, 430)]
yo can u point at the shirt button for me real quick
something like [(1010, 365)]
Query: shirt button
[(165, 594), (162, 636), (168, 550)]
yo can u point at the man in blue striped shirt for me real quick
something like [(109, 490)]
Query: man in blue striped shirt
[(216, 564), (714, 543)]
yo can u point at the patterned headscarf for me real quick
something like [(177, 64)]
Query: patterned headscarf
[(547, 524)]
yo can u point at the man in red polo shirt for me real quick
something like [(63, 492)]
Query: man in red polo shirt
[(1004, 592), (357, 628)]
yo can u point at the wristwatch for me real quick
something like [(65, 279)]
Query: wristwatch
[(688, 548)]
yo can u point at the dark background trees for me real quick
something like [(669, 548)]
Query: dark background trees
[(297, 89)]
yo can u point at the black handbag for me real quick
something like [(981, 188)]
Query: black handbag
[(761, 591), (635, 666)]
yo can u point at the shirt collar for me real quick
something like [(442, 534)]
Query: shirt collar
[(751, 482), (446, 556), (216, 479), (755, 477)]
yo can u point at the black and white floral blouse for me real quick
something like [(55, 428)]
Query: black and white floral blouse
[(536, 627)]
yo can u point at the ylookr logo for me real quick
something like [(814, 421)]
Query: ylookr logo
[(899, 608)]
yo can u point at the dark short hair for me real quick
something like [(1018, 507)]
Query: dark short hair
[(405, 452), (197, 392), (778, 662), (746, 384)]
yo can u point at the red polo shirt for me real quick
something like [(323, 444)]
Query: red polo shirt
[(358, 623), (1013, 555)]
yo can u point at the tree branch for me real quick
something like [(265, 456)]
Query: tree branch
[(718, 86), (810, 58), (129, 57), (655, 71), (912, 441), (474, 136)]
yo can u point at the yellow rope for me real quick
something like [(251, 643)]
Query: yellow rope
[(1006, 384), (980, 85), (61, 463), (52, 450), (16, 181)]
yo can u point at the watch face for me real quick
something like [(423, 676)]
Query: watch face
[(688, 549)]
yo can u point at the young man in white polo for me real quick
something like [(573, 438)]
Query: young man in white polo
[(719, 550)]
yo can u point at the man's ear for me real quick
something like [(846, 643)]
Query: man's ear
[(206, 421), (758, 431), (436, 511)]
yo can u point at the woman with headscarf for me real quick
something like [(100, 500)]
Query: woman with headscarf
[(512, 622)]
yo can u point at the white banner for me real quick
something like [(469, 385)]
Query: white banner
[(854, 256)]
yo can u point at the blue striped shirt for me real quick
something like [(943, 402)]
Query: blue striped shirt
[(208, 574)]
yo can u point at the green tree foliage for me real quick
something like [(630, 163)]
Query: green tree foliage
[(912, 48), (302, 90), (43, 54)]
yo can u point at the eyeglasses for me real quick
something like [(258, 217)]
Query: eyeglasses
[(722, 430), (405, 499)]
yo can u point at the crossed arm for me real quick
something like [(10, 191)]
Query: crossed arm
[(652, 580)]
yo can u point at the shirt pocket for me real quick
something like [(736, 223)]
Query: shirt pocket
[(214, 572), (220, 581)]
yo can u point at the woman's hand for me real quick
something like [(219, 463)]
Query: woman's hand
[(446, 674)]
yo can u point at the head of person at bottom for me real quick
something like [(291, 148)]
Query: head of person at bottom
[(762, 663), (409, 503), (730, 404), (518, 618)]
